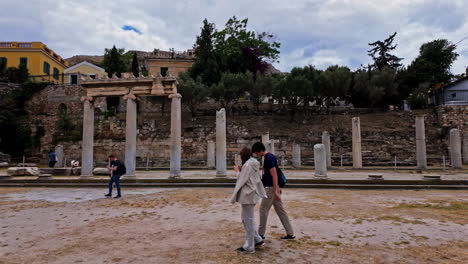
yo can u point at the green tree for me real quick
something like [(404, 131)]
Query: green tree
[(261, 89), (194, 92), (381, 55), (205, 65), (113, 61), (240, 50), (230, 88), (16, 75), (135, 67), (314, 92), (335, 83), (419, 98), (293, 90), (359, 94)]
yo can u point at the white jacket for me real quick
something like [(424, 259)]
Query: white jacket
[(249, 187)]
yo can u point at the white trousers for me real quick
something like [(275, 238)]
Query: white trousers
[(251, 235)]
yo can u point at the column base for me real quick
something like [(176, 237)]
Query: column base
[(174, 176), (86, 176), (321, 176), (221, 175), (129, 177)]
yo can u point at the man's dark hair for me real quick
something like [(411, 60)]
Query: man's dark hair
[(111, 156), (258, 147)]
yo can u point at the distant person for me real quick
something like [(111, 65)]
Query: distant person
[(273, 191), (248, 191), (75, 163), (117, 169), (52, 159)]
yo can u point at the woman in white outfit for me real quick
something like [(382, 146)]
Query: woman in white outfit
[(248, 191)]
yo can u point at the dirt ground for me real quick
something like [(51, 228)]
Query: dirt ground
[(200, 226)]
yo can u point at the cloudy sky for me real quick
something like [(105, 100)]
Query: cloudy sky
[(317, 32)]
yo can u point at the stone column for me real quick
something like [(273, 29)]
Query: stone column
[(60, 156), (221, 143), (130, 135), (266, 141), (176, 134), (87, 143), (455, 149), (210, 163), (320, 160), (357, 154), (296, 156), (327, 144), (421, 158), (465, 149)]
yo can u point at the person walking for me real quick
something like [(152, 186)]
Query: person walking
[(248, 191), (273, 191), (117, 169), (52, 159)]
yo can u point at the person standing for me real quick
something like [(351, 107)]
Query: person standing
[(248, 191), (273, 191), (117, 169), (52, 159)]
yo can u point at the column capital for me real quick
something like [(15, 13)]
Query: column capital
[(176, 95), (130, 96), (87, 98)]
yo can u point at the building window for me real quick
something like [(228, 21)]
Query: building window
[(92, 76), (46, 68), (164, 71), (56, 73), (24, 62), (3, 63), (6, 44), (74, 78)]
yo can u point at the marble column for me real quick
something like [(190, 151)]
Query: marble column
[(60, 156), (320, 160), (465, 148), (87, 143), (421, 158), (455, 149), (210, 162), (266, 141), (130, 135), (176, 134), (327, 144), (357, 153), (221, 143), (296, 156)]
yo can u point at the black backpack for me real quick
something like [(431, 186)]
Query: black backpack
[(121, 170)]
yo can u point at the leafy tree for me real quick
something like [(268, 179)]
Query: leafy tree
[(293, 89), (262, 88), (419, 98), (230, 88), (206, 64), (381, 55), (135, 67), (359, 94), (335, 82), (240, 50), (15, 75), (193, 92), (315, 92), (383, 88), (113, 61)]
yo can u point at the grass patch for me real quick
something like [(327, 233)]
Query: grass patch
[(399, 219), (449, 206)]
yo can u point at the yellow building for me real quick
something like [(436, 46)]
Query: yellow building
[(42, 62), (164, 62), (83, 68)]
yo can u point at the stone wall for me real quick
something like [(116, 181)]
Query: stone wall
[(384, 135)]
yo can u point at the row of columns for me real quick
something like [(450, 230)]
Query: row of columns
[(87, 161)]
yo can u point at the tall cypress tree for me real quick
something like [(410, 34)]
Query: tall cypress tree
[(135, 68), (113, 62)]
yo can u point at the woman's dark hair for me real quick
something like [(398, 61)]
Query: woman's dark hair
[(258, 147), (245, 154)]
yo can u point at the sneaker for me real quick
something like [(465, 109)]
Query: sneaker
[(108, 195), (288, 237), (242, 250), (260, 243), (262, 236), (118, 196)]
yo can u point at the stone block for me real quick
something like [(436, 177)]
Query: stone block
[(101, 171), (23, 171)]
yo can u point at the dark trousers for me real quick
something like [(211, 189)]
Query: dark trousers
[(116, 179)]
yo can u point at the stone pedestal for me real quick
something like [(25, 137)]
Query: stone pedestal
[(465, 149), (421, 143), (221, 143), (357, 153), (320, 160), (266, 141), (176, 134), (130, 136), (455, 149), (87, 143), (327, 144), (60, 156), (210, 159), (296, 156)]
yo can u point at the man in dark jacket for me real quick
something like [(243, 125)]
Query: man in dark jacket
[(115, 168)]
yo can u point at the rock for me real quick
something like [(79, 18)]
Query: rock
[(101, 171), (23, 171)]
